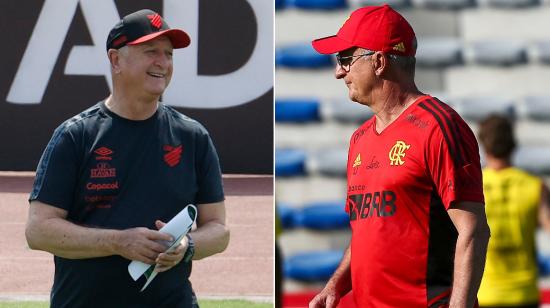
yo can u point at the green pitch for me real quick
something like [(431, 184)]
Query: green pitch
[(203, 304)]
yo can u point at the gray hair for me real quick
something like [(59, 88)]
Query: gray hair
[(404, 63), (123, 50)]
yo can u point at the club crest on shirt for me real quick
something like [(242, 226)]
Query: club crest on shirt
[(397, 153), (172, 156)]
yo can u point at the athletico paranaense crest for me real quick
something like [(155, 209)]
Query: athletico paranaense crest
[(172, 156)]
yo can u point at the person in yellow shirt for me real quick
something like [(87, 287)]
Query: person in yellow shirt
[(516, 202)]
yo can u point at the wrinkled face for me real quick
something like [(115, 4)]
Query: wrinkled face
[(147, 67), (358, 74)]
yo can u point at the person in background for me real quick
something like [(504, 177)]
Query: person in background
[(515, 202)]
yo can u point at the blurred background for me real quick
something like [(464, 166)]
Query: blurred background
[(479, 56), (54, 65)]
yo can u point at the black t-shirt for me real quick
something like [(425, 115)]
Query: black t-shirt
[(111, 172)]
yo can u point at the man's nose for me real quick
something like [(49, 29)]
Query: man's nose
[(339, 72), (163, 60)]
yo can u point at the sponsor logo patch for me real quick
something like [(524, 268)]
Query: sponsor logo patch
[(372, 204), (358, 135), (102, 186), (104, 153), (399, 47), (374, 164), (416, 121), (357, 161), (103, 170)]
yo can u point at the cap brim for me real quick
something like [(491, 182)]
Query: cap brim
[(179, 38), (330, 44)]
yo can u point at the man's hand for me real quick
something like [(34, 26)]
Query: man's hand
[(141, 244), (328, 298), (166, 261)]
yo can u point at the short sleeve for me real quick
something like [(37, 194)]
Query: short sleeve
[(210, 186), (56, 174), (453, 162)]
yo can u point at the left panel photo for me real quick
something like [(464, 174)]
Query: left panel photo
[(136, 161)]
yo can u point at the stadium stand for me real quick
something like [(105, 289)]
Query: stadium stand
[(439, 52), (296, 110), (499, 52), (476, 108), (536, 108), (301, 56), (543, 51), (479, 56), (312, 266), (317, 4), (289, 162)]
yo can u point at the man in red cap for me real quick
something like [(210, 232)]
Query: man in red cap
[(112, 175), (415, 196)]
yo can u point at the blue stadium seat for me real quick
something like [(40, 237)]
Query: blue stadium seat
[(543, 264), (499, 52), (536, 107), (396, 4), (512, 3), (329, 161), (315, 266), (345, 111), (289, 162), (543, 51), (286, 214), (322, 216), (296, 110), (317, 4), (439, 52), (444, 4), (535, 159), (301, 56), (476, 108)]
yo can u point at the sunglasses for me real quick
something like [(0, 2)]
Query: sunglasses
[(346, 62)]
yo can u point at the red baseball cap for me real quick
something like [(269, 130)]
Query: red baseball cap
[(143, 26), (377, 28)]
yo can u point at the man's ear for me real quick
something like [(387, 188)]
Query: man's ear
[(114, 58), (380, 63)]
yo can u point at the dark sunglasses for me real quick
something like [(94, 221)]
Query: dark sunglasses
[(346, 62)]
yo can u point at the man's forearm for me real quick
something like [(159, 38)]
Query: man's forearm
[(468, 268), (68, 240), (341, 279), (210, 238)]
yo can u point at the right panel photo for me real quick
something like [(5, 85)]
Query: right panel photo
[(412, 153)]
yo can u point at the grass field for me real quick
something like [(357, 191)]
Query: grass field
[(203, 304)]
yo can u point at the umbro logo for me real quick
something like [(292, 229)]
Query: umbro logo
[(172, 156), (104, 153), (156, 20)]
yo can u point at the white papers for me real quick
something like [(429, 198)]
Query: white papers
[(178, 228)]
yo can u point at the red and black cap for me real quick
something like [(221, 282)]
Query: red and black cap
[(377, 28), (143, 26)]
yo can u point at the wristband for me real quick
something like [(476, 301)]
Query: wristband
[(190, 252)]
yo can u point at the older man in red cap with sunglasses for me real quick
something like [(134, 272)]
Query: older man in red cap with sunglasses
[(111, 176), (415, 196)]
